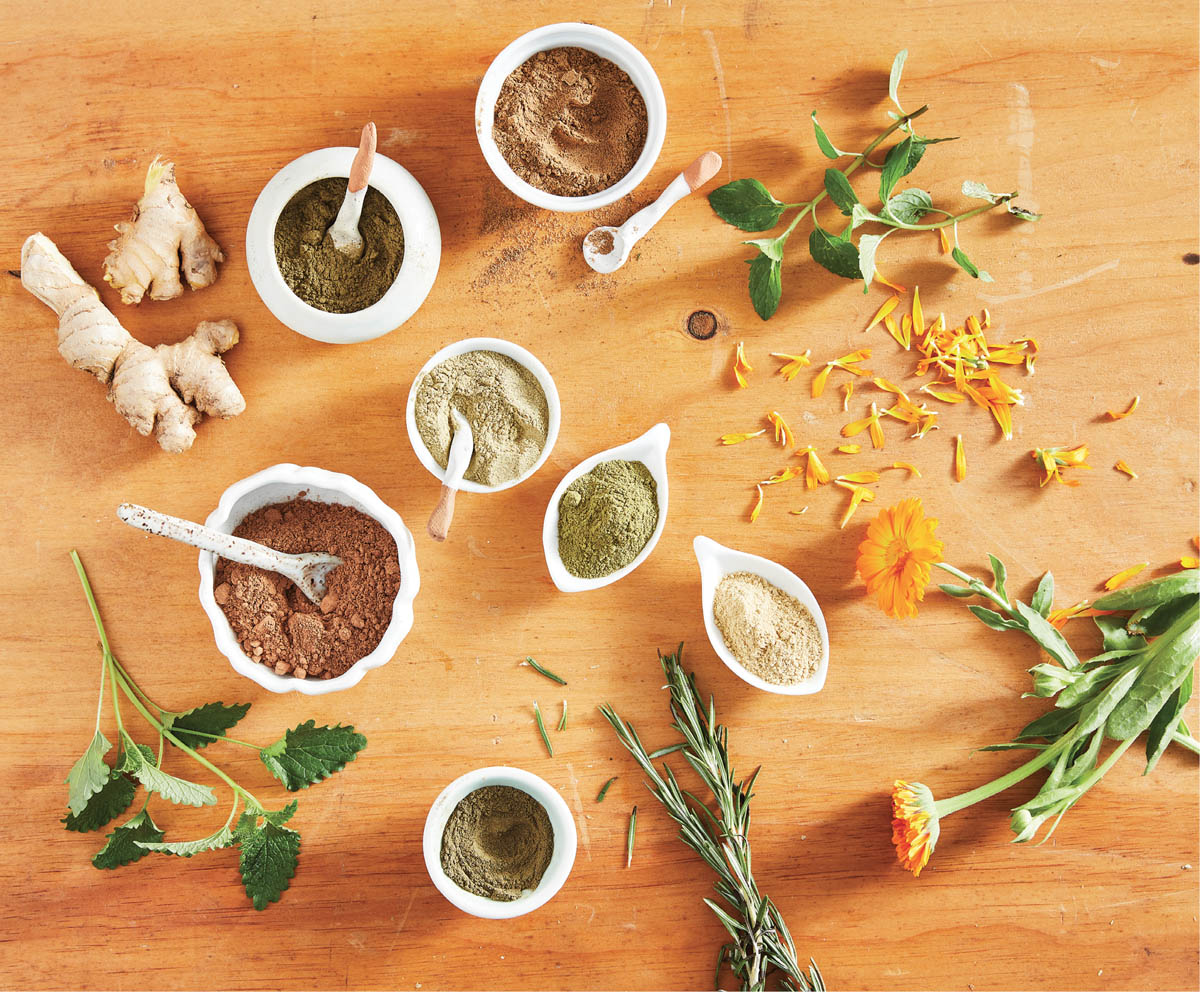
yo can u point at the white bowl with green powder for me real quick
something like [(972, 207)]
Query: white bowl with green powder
[(583, 541), (506, 394), (769, 595)]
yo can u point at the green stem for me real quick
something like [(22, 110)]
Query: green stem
[(100, 700), (219, 737), (1186, 740), (944, 807), (954, 219), (977, 586)]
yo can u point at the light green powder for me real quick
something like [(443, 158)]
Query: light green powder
[(606, 517)]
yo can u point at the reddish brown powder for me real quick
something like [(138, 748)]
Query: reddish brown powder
[(276, 624), (570, 122)]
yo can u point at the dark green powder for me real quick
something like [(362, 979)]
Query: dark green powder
[(315, 270), (497, 843), (606, 517)]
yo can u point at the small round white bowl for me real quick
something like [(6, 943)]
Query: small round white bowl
[(560, 861), (422, 249), (604, 43), (651, 450), (518, 354), (278, 484), (717, 561)]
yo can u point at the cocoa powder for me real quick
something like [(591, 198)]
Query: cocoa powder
[(570, 122), (276, 624)]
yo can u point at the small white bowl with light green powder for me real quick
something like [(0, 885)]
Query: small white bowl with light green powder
[(772, 620), (505, 394)]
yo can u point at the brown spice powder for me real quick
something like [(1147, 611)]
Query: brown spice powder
[(570, 122), (276, 624)]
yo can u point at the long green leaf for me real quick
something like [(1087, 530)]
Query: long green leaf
[(1162, 727), (1152, 593), (1174, 654)]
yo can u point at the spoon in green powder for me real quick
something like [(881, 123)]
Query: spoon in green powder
[(462, 446), (344, 233)]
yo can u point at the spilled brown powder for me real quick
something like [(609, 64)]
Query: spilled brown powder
[(570, 122), (276, 624), (769, 632)]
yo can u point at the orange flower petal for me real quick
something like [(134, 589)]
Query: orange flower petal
[(783, 433), (918, 314), (859, 477), (960, 460), (739, 438), (906, 465), (1124, 576), (944, 240), (792, 363), (847, 392), (1122, 467), (819, 380), (1189, 561), (1113, 415), (888, 306), (741, 366), (849, 449), (757, 506)]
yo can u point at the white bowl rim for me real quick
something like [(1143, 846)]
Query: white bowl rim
[(418, 269), (616, 49), (561, 861), (650, 449), (290, 474), (510, 350), (708, 550)]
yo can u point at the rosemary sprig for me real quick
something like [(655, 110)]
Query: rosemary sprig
[(604, 789), (537, 713), (761, 943), (542, 670), (630, 836), (562, 723)]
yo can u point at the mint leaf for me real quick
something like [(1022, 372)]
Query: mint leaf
[(901, 160), (771, 247), (868, 245), (746, 204), (122, 845), (135, 755), (838, 256), (88, 775), (894, 78), (979, 191), (909, 206), (185, 849), (110, 802), (840, 191), (176, 790), (968, 266), (828, 149), (211, 718), (309, 754), (766, 284), (267, 861), (1022, 213)]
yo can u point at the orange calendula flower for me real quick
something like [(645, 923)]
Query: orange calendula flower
[(888, 306), (1113, 415), (1124, 576), (741, 366), (758, 505), (860, 478), (1055, 460), (897, 557), (870, 424), (1121, 466), (849, 449), (792, 363), (847, 392), (910, 467), (815, 474), (791, 472), (858, 494), (915, 824), (739, 438), (783, 433), (960, 460)]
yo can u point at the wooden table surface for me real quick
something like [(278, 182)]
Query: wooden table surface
[(1089, 110)]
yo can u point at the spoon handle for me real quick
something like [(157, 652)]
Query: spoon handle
[(634, 229), (205, 538), (439, 520)]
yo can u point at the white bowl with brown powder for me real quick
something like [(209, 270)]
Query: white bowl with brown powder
[(570, 104), (772, 620), (281, 484)]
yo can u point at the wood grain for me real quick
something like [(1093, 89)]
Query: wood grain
[(1089, 109)]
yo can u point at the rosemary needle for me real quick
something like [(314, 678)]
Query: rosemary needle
[(604, 789), (562, 724), (541, 670), (542, 728), (662, 752), (629, 839)]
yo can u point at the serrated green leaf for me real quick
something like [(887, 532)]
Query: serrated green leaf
[(860, 215), (135, 755), (247, 823), (267, 862), (828, 149), (171, 788), (840, 191), (766, 284), (104, 806), (122, 847), (909, 206), (211, 718), (1043, 598), (1022, 213), (894, 77), (187, 848), (968, 266), (746, 204), (88, 775), (838, 256), (309, 754)]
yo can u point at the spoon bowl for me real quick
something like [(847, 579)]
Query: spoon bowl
[(611, 260)]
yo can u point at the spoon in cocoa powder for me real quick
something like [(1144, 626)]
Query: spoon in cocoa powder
[(605, 249), (308, 571)]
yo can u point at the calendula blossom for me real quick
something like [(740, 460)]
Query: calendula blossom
[(897, 557)]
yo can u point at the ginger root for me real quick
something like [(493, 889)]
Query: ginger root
[(163, 390), (163, 233)]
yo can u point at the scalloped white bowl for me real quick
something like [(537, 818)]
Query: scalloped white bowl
[(651, 450), (278, 484)]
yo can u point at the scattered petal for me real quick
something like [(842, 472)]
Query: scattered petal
[(783, 433), (888, 306), (861, 478), (906, 465), (960, 459), (944, 240), (792, 363), (1124, 576), (741, 366), (796, 513), (819, 380), (739, 438), (945, 395), (880, 277), (791, 472), (757, 506), (1113, 415), (1054, 460), (816, 474), (1189, 561), (918, 315), (1122, 467), (890, 323), (849, 449), (847, 392), (857, 495)]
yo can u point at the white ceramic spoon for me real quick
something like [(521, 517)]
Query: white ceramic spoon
[(308, 571), (651, 450), (634, 229), (462, 446), (344, 233)]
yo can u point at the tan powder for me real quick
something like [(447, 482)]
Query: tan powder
[(770, 633)]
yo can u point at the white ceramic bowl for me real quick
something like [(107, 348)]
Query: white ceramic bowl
[(422, 248), (278, 484), (717, 561), (513, 351), (560, 861), (651, 450), (605, 44)]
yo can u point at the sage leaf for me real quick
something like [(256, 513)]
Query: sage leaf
[(1162, 727), (211, 718), (1152, 593), (308, 754), (187, 848), (909, 206), (122, 846), (1000, 574), (766, 284), (828, 149), (746, 204), (1171, 659), (1022, 213), (894, 77), (89, 774), (838, 256), (968, 266), (1048, 636), (840, 191), (1043, 599), (104, 806)]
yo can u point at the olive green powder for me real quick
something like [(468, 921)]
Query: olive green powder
[(315, 270), (502, 401), (606, 517), (497, 843)]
